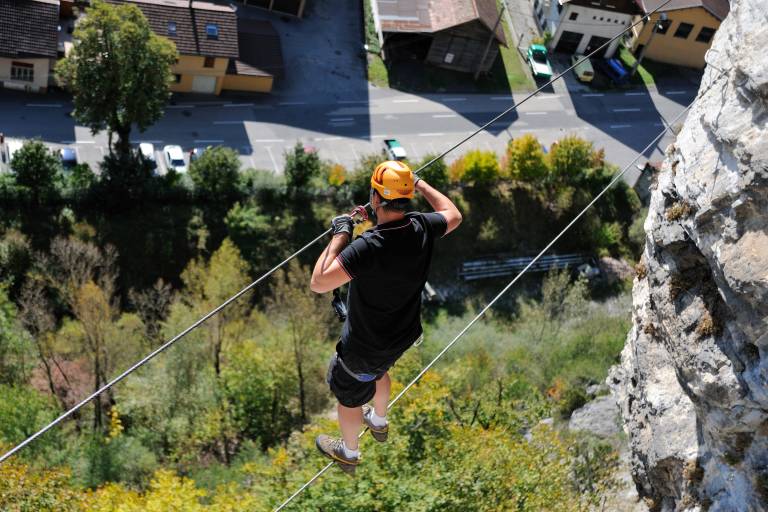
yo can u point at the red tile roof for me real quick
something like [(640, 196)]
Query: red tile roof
[(260, 50), (29, 28), (717, 8)]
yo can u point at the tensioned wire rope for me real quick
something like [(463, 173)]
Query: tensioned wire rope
[(274, 269), (509, 285)]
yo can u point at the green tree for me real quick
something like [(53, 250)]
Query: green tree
[(525, 159), (15, 358), (118, 70), (476, 167), (37, 171), (260, 236), (569, 159), (216, 174), (436, 174), (301, 167)]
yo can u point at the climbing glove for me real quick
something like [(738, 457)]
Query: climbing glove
[(342, 224)]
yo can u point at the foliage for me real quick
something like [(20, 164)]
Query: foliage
[(569, 157), (118, 70), (37, 169), (24, 489), (22, 412), (476, 167), (301, 167), (525, 159), (260, 236), (216, 174), (436, 174)]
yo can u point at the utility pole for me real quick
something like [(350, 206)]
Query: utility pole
[(656, 25), (490, 40)]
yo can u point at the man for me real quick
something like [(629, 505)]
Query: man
[(387, 266)]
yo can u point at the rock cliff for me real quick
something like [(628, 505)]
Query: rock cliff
[(692, 384)]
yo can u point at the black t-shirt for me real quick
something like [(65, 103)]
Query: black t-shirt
[(388, 265)]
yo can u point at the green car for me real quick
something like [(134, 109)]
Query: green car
[(539, 62)]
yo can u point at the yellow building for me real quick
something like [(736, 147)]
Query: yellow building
[(28, 43), (684, 36), (207, 37)]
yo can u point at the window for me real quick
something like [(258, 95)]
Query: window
[(22, 71), (662, 26), (176, 79), (683, 30), (573, 16), (209, 62), (171, 28), (705, 35), (212, 31)]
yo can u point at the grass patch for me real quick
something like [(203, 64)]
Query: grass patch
[(643, 76), (514, 67), (371, 37), (378, 74)]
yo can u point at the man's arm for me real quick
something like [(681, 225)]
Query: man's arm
[(441, 204), (328, 273)]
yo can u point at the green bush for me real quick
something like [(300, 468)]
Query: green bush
[(216, 174), (476, 167)]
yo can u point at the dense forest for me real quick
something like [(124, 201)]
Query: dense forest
[(99, 267)]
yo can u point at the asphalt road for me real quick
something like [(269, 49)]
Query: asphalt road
[(262, 129)]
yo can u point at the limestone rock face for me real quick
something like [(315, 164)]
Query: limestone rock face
[(692, 384)]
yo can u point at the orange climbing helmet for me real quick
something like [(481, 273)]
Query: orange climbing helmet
[(393, 180)]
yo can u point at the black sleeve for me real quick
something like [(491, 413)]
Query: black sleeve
[(435, 224), (357, 258)]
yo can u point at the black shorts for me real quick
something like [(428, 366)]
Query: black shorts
[(354, 391)]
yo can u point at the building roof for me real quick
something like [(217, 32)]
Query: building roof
[(260, 50), (429, 16), (618, 6), (717, 8), (191, 25), (29, 28)]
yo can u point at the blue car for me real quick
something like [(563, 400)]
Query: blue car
[(68, 157)]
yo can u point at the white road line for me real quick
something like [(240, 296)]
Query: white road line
[(444, 115), (286, 103), (44, 105), (340, 120), (431, 134), (432, 147), (151, 141), (232, 105), (269, 140), (208, 141), (228, 122), (346, 102), (327, 138), (634, 94), (405, 101), (85, 142), (66, 142), (451, 100), (593, 95), (626, 110), (501, 98), (659, 124), (180, 106), (378, 136), (352, 147), (415, 153), (615, 126), (546, 96), (535, 113), (675, 92), (253, 162), (271, 157)]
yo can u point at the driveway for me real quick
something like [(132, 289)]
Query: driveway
[(321, 51)]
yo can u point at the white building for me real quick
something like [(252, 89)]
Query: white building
[(581, 26)]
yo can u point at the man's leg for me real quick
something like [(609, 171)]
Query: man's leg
[(350, 421), (381, 398)]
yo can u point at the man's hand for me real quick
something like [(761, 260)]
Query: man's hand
[(342, 224)]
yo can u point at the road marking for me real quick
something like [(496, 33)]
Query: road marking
[(180, 106), (676, 92), (378, 136), (44, 105), (228, 122), (501, 98), (341, 120), (450, 100), (346, 102), (352, 147), (444, 115), (286, 103), (659, 124), (634, 94), (150, 141), (535, 113), (546, 96), (85, 142), (231, 105), (327, 138), (405, 101), (431, 134), (271, 157), (253, 162), (269, 140), (593, 95), (208, 141), (413, 150), (626, 110), (615, 126)]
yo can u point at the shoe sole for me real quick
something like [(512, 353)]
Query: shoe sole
[(379, 435), (344, 465)]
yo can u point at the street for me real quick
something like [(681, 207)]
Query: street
[(261, 129)]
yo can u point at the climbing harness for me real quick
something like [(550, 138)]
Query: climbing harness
[(274, 269)]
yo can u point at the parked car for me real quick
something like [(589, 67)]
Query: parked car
[(11, 147), (196, 153), (539, 61), (147, 151), (584, 70), (68, 157), (394, 150), (613, 69), (174, 158)]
